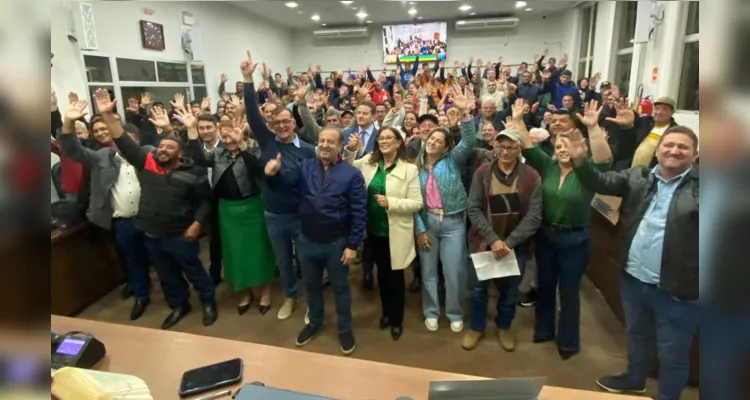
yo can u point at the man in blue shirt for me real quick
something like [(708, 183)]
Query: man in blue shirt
[(333, 216), (658, 243), (282, 205)]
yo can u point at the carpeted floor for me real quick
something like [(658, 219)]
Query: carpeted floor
[(603, 337)]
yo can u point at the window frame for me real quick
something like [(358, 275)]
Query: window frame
[(686, 38), (588, 59), (118, 84), (622, 13)]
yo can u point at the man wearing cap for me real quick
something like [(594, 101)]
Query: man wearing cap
[(505, 209), (649, 129), (427, 123)]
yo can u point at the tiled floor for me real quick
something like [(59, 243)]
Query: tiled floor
[(603, 338)]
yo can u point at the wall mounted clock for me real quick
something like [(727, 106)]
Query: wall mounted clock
[(152, 35)]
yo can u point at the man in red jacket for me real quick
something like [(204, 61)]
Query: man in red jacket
[(379, 94)]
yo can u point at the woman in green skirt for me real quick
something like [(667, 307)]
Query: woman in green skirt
[(248, 257)]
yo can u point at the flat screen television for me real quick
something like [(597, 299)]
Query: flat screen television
[(405, 42)]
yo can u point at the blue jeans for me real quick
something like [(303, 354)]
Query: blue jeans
[(447, 244), (653, 318), (316, 257), (506, 302), (283, 231), (130, 241), (172, 257), (725, 346), (562, 257)]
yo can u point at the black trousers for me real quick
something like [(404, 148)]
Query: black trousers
[(390, 282)]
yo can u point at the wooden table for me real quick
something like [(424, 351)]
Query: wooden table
[(84, 267), (160, 357)]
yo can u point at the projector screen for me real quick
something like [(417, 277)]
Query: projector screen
[(405, 42)]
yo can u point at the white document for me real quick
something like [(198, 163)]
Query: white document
[(488, 267)]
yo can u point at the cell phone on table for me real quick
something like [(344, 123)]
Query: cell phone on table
[(211, 377)]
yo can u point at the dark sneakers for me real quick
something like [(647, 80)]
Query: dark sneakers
[(347, 342), (306, 335), (527, 299), (621, 384)]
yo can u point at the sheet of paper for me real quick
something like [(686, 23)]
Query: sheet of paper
[(488, 267)]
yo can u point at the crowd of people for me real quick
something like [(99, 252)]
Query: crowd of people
[(417, 46), (416, 168)]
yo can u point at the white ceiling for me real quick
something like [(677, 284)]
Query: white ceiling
[(334, 13)]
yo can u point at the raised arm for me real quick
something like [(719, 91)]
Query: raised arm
[(131, 151), (462, 151), (608, 183), (600, 151), (70, 145), (312, 127), (222, 90), (258, 126), (535, 157)]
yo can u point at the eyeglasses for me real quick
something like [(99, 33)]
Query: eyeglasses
[(281, 121), (386, 138), (510, 149)]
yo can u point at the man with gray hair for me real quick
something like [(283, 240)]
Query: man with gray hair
[(489, 115), (333, 216)]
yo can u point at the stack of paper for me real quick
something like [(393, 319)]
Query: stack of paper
[(85, 384)]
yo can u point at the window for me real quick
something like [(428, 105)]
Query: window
[(625, 42), (588, 31), (97, 69), (128, 78), (687, 98)]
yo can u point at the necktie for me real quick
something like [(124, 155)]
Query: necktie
[(362, 142)]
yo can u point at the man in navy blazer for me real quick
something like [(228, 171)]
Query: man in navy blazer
[(365, 128)]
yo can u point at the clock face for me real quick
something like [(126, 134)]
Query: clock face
[(152, 35)]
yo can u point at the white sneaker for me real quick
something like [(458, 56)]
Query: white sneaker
[(286, 310), (431, 324), (457, 326), (307, 316)]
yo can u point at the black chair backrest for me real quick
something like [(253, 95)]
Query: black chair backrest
[(57, 179)]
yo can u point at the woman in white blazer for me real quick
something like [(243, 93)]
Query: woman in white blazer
[(393, 196)]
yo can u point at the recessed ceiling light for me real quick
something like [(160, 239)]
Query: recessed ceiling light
[(419, 17), (529, 9), (291, 4), (461, 22), (520, 4), (369, 22), (465, 7), (300, 12), (412, 11), (315, 17), (323, 24), (473, 13), (412, 3), (362, 15), (346, 3)]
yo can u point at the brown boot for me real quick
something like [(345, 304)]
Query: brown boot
[(471, 339), (507, 339)]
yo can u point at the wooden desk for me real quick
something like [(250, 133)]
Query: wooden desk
[(605, 271), (160, 357), (84, 267)]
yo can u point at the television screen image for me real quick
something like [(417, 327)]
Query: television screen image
[(405, 42)]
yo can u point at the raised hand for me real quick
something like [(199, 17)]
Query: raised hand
[(132, 105), (500, 60), (187, 118), (460, 100), (236, 102), (534, 107), (159, 118), (76, 111), (206, 103), (517, 109), (546, 74), (462, 65), (479, 63), (546, 52), (145, 99), (591, 112), (398, 102), (625, 115), (318, 69), (179, 101), (238, 132), (289, 71), (353, 144), (273, 166), (576, 147), (364, 90), (72, 97), (104, 104), (302, 92), (224, 78), (266, 71), (247, 66)]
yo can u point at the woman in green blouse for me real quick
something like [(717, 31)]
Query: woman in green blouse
[(393, 196), (562, 243)]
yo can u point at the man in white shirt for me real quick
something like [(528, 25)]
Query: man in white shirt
[(209, 134), (115, 197)]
